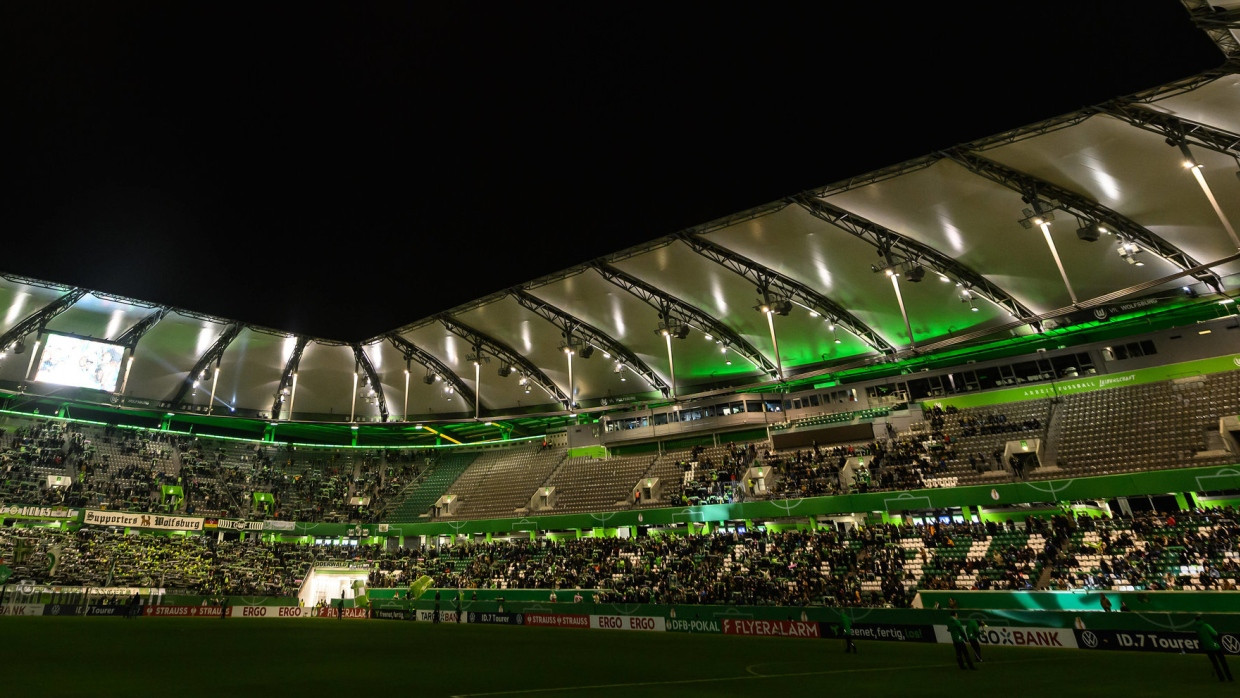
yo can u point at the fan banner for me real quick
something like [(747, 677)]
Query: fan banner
[(160, 521)]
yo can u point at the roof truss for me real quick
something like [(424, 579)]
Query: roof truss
[(673, 310), (1033, 189), (482, 341), (572, 326), (434, 366)]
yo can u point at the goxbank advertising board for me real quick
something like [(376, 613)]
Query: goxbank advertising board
[(1017, 637)]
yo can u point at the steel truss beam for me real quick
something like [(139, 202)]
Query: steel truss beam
[(214, 353), (364, 361), (506, 353), (434, 365), (39, 318), (131, 336), (572, 326), (767, 278), (286, 376), (672, 310), (1081, 207), (904, 250)]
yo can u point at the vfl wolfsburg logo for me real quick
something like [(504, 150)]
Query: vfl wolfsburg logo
[(1089, 639), (1100, 313)]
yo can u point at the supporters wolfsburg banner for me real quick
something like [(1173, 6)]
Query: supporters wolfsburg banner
[(161, 521)]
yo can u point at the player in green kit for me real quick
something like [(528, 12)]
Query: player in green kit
[(960, 641), (847, 632)]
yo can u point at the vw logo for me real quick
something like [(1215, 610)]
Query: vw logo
[(1230, 643), (1235, 360), (1089, 639), (56, 610)]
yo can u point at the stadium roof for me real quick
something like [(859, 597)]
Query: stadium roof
[(908, 258)]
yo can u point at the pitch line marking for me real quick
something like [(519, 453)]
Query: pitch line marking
[(752, 675)]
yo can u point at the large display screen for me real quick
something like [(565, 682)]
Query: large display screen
[(80, 362)]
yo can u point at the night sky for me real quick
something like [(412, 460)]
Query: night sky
[(342, 169)]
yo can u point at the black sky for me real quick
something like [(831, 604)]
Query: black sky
[(342, 169)]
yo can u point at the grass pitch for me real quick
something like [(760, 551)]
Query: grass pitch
[(190, 657)]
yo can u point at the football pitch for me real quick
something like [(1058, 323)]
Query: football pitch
[(189, 657)]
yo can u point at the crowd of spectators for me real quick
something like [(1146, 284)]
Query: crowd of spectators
[(707, 482), (126, 469), (1150, 550), (839, 566)]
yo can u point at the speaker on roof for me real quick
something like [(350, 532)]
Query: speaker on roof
[(1088, 233)]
